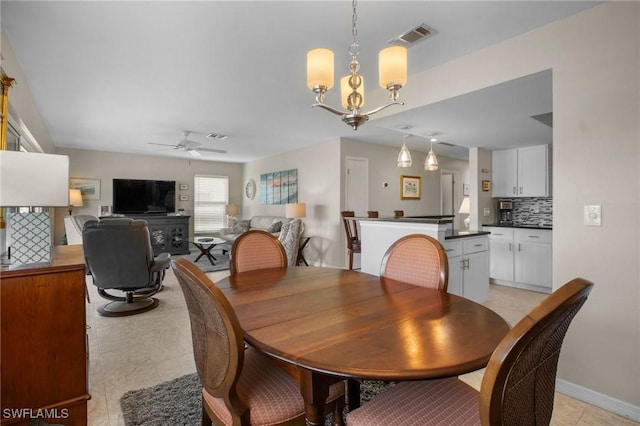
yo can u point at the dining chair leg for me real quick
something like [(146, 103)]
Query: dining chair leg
[(350, 260), (353, 394)]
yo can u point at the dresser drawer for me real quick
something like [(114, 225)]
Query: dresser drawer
[(533, 235), (453, 248), (475, 245), (498, 233)]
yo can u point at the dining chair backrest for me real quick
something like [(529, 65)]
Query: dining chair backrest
[(351, 231), (417, 259), (257, 249), (372, 213), (518, 385), (215, 330)]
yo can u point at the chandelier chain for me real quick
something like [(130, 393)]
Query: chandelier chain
[(354, 49)]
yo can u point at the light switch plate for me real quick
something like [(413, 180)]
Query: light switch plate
[(593, 215), (487, 211)]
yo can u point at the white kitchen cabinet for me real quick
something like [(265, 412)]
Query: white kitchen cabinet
[(469, 267), (520, 257), (521, 172), (533, 257), (501, 262)]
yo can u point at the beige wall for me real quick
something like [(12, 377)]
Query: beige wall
[(108, 165), (318, 187), (595, 161)]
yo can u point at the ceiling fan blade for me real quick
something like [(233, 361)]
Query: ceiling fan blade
[(161, 144), (219, 151)]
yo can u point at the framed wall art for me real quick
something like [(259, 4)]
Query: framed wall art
[(279, 187), (410, 187), (90, 188)]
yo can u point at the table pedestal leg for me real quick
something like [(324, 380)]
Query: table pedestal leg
[(315, 390)]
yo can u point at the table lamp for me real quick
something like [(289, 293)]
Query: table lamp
[(465, 208), (233, 210), (29, 179), (296, 210), (75, 199)]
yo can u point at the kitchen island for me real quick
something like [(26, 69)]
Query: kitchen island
[(467, 251)]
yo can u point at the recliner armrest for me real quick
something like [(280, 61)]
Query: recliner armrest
[(160, 262)]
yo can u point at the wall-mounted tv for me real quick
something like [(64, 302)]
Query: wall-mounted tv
[(141, 196)]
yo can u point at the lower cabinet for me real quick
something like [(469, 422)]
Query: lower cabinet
[(468, 267), (521, 257)]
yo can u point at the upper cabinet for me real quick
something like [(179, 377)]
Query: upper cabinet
[(521, 172)]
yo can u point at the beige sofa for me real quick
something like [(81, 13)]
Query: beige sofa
[(265, 223)]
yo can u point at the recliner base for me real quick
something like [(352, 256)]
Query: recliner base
[(122, 308)]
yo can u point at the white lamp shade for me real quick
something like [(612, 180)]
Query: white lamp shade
[(233, 209), (296, 210), (345, 90), (465, 207), (320, 68), (393, 66), (33, 179), (75, 197)]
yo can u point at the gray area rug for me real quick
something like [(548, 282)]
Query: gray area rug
[(221, 263), (177, 402)]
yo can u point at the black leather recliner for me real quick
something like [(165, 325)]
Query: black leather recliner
[(119, 256)]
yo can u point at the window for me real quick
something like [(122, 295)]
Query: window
[(210, 198)]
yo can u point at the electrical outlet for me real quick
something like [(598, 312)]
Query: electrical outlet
[(593, 215), (487, 211)]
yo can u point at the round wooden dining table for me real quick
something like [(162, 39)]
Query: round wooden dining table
[(329, 324)]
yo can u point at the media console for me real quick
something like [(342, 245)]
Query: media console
[(169, 234)]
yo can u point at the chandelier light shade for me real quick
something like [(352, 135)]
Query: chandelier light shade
[(320, 69), (392, 73), (404, 157), (393, 68)]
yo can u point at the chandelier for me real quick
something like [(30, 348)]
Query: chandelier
[(392, 76)]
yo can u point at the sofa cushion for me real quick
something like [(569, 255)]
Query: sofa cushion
[(240, 226), (264, 222)]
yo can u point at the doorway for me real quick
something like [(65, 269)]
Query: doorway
[(448, 195)]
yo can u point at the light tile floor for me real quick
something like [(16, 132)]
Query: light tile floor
[(143, 350)]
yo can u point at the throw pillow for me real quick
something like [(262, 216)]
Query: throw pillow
[(275, 227), (240, 226), (291, 240)]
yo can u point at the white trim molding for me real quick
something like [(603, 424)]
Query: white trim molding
[(598, 399)]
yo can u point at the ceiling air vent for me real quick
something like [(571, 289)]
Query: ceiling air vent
[(413, 36)]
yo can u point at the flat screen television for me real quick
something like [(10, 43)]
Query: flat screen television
[(141, 196)]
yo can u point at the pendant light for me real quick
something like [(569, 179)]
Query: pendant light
[(404, 157), (431, 162)]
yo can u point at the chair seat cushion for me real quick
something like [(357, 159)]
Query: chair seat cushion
[(270, 393), (431, 402)]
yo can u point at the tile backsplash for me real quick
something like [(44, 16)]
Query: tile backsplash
[(524, 210)]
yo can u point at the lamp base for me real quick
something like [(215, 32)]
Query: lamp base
[(30, 237), (466, 223)]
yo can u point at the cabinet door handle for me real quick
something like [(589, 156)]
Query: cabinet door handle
[(447, 250), (478, 245), (519, 247), (515, 192), (520, 190), (510, 248), (534, 236)]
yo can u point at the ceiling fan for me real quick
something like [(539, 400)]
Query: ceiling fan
[(192, 147)]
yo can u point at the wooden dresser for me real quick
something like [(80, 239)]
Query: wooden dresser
[(43, 345)]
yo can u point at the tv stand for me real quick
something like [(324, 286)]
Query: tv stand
[(169, 234)]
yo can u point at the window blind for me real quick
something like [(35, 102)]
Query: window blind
[(211, 195)]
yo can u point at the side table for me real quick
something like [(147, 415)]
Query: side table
[(304, 240)]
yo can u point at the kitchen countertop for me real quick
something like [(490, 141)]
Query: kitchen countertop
[(456, 233), (520, 225)]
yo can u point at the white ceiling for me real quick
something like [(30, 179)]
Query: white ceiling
[(118, 75)]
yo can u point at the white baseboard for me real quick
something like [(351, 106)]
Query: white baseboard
[(600, 400)]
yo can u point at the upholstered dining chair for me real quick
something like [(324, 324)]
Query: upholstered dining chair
[(257, 249), (372, 213), (239, 386), (417, 259), (351, 231), (517, 387)]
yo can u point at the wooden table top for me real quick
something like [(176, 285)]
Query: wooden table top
[(350, 324)]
